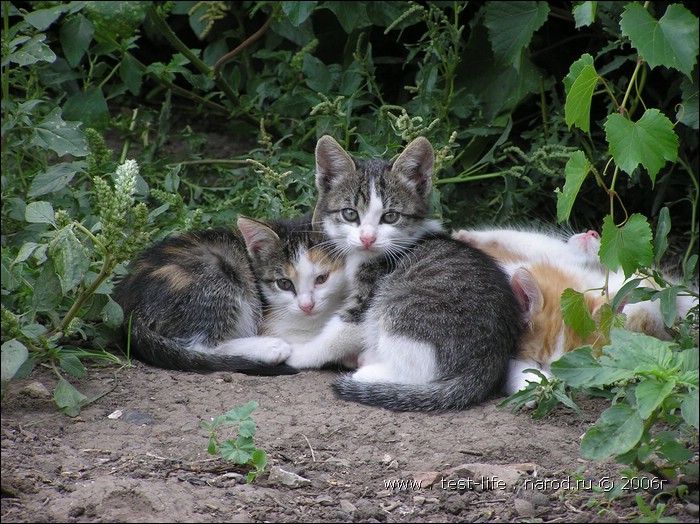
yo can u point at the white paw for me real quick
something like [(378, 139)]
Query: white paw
[(273, 350)]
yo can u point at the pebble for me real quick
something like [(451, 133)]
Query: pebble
[(692, 509), (524, 508), (36, 390), (325, 500), (282, 477), (347, 506)]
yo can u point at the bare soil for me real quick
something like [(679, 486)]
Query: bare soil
[(484, 464)]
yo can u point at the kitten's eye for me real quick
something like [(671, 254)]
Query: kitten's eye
[(391, 217), (321, 279), (349, 215), (285, 284)]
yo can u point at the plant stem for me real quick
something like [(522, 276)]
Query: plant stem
[(87, 293)]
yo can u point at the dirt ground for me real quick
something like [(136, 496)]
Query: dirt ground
[(151, 464)]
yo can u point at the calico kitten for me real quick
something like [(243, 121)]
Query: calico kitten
[(196, 301), (435, 319)]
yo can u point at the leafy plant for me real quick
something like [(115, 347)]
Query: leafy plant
[(655, 385), (240, 450)]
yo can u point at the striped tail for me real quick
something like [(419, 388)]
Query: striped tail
[(455, 393)]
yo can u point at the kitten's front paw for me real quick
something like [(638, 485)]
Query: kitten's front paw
[(305, 356), (273, 350)]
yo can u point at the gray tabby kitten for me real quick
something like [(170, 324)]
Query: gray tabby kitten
[(435, 319), (198, 300)]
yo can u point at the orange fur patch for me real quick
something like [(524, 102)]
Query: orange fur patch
[(548, 335), (177, 277)]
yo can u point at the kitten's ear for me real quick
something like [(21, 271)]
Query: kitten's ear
[(527, 291), (415, 165), (331, 161), (259, 238)]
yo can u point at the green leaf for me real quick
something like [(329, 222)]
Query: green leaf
[(89, 107), (511, 26), (688, 109), (628, 246), (72, 365), (584, 13), (230, 450), (131, 74), (41, 19), (39, 213), (32, 51), (55, 178), (661, 238), (637, 353), (25, 252), (351, 15), (671, 41), (75, 36), (112, 314), (577, 368), (610, 320), (14, 354), (651, 141), (247, 428), (69, 399), (650, 395), (47, 289), (617, 430), (689, 408), (574, 309), (577, 109), (239, 413), (667, 303), (71, 259), (64, 138), (674, 451), (298, 12), (576, 170)]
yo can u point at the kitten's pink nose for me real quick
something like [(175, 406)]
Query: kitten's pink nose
[(306, 308), (368, 240), (593, 234)]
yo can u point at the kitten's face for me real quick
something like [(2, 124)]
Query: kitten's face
[(372, 208), (298, 277), (305, 287)]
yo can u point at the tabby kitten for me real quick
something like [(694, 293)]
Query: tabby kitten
[(434, 318), (196, 301)]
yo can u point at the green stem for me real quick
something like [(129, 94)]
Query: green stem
[(458, 179), (180, 46), (87, 293), (694, 210)]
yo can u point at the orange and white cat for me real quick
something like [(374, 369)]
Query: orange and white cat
[(542, 265)]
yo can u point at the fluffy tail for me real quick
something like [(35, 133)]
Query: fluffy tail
[(455, 393), (167, 353)]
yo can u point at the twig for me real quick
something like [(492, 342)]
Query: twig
[(313, 456)]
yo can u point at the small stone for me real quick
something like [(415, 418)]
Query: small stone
[(347, 506), (115, 414), (419, 500), (539, 499), (325, 500), (36, 390), (282, 477), (386, 458), (692, 509), (394, 464), (524, 508)]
